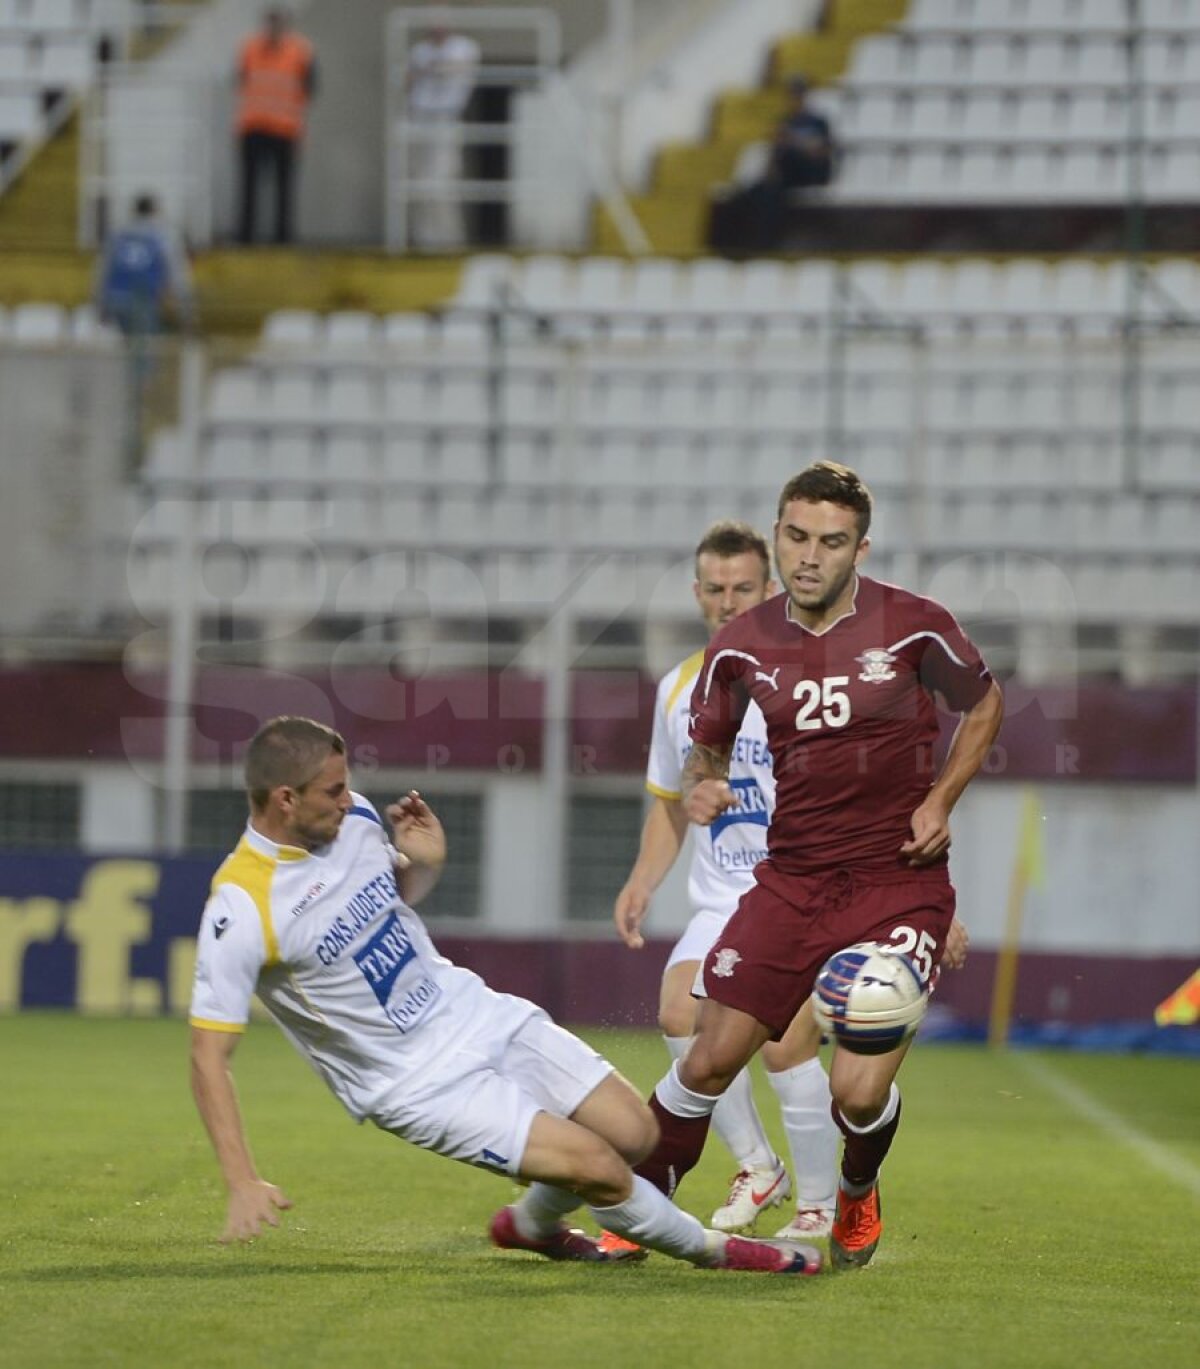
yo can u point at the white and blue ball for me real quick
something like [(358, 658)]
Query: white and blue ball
[(869, 998)]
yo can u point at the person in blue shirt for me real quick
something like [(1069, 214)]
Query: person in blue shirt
[(142, 281), (142, 274)]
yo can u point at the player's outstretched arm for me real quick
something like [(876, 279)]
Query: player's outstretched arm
[(253, 1203), (706, 790), (662, 837), (421, 840), (973, 739)]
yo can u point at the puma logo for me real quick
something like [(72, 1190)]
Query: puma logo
[(772, 679)]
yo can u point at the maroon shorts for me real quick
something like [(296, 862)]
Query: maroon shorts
[(765, 961)]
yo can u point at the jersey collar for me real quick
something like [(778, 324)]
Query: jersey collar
[(849, 613), (266, 847)]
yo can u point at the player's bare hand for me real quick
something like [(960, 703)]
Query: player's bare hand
[(958, 942), (418, 834), (629, 912), (707, 801), (252, 1207), (930, 834)]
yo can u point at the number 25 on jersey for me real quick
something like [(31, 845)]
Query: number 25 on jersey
[(823, 703)]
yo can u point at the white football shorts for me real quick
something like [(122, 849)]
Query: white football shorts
[(478, 1105), (698, 936)]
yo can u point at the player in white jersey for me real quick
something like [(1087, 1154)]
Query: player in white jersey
[(313, 912), (732, 575)]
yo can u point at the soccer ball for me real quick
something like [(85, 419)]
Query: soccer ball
[(869, 998)]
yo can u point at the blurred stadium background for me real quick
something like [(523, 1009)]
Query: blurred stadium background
[(447, 502)]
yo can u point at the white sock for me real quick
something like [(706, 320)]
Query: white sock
[(677, 1098), (735, 1119), (803, 1093), (677, 1046), (651, 1219), (539, 1211), (737, 1123)]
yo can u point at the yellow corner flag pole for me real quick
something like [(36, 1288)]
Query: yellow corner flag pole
[(1182, 1008), (1029, 870)]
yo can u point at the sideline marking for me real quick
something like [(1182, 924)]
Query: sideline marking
[(1157, 1156)]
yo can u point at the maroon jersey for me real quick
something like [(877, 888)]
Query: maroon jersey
[(851, 719)]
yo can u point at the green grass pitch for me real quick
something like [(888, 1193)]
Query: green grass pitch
[(1019, 1233)]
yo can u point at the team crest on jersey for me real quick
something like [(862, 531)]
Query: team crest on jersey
[(876, 665), (724, 961), (310, 894)]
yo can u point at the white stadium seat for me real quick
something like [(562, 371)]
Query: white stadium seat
[(355, 329), (20, 114), (406, 330), (39, 324), (293, 328)]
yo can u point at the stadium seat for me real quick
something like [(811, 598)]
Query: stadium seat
[(462, 332), (232, 457), (712, 285), (67, 61), (39, 324), (351, 458), (546, 284), (407, 330), (15, 60), (353, 396), (485, 277), (20, 114), (292, 328), (655, 286), (352, 329)]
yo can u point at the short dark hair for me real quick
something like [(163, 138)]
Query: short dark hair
[(731, 537), (145, 205), (287, 751), (829, 482)]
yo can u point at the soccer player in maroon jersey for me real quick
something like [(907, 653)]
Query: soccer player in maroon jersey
[(844, 669)]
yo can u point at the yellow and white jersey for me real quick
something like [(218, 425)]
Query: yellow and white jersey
[(344, 966), (723, 855)]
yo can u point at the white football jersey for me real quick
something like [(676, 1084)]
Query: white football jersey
[(344, 966), (725, 854)]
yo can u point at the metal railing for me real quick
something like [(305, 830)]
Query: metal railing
[(145, 132)]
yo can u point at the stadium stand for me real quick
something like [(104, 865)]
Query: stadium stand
[(50, 51), (951, 104), (962, 392), (482, 479)]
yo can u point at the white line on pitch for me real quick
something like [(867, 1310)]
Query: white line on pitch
[(1155, 1155)]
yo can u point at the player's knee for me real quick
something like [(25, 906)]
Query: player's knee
[(677, 1019), (633, 1133), (604, 1177), (861, 1102), (786, 1055), (643, 1136), (707, 1070)]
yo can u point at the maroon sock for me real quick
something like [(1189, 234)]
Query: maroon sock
[(680, 1142), (863, 1156)]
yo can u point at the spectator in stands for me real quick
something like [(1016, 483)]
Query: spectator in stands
[(276, 79), (143, 274), (142, 281), (802, 155), (438, 83)]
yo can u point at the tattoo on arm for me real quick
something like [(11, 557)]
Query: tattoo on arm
[(706, 763)]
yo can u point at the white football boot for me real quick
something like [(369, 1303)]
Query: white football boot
[(751, 1193)]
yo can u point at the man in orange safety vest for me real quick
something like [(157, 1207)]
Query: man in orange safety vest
[(276, 79)]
